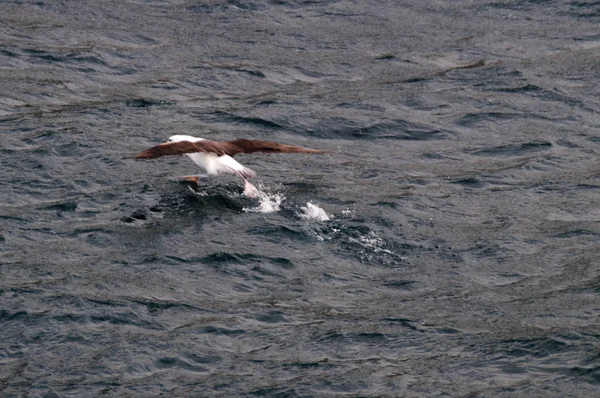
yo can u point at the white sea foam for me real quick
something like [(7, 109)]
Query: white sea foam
[(372, 242), (267, 202), (314, 212)]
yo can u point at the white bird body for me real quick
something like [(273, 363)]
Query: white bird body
[(212, 163)]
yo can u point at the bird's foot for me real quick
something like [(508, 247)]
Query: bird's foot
[(250, 190), (193, 178)]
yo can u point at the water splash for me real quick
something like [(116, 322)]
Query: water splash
[(313, 212), (268, 202)]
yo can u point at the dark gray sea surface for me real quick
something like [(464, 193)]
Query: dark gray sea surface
[(447, 244)]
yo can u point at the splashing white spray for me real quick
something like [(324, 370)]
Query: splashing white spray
[(314, 212), (268, 203)]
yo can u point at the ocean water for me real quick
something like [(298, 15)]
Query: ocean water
[(446, 245)]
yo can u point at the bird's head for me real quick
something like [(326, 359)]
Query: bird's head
[(180, 137)]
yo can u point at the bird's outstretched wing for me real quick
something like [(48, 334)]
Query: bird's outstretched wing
[(181, 148), (249, 146), (230, 148)]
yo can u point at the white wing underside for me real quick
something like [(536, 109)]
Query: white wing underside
[(216, 165)]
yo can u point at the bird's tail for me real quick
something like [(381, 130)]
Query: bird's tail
[(246, 173), (237, 169)]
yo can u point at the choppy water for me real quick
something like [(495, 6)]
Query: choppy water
[(447, 245)]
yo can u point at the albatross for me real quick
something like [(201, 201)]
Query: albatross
[(216, 157)]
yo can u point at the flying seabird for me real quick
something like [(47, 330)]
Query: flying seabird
[(217, 157)]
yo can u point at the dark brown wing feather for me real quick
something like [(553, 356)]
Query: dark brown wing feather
[(181, 148), (230, 148), (249, 146)]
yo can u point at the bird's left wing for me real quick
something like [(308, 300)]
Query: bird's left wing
[(249, 146)]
